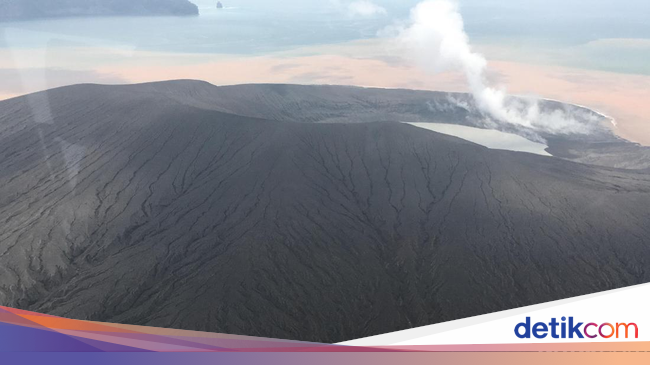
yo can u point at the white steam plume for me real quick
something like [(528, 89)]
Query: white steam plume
[(438, 40)]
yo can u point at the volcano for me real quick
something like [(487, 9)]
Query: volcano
[(312, 213)]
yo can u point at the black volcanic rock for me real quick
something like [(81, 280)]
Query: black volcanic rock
[(32, 9), (160, 205)]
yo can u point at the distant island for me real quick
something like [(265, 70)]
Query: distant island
[(35, 9)]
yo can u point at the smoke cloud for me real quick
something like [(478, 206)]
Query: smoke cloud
[(437, 39)]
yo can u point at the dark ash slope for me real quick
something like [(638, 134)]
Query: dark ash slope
[(125, 204), (340, 104)]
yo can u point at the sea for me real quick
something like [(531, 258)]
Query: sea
[(591, 34)]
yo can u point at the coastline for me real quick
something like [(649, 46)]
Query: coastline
[(620, 98), (611, 121)]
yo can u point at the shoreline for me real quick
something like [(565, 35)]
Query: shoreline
[(612, 123), (611, 119), (620, 99)]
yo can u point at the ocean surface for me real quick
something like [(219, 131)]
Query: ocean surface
[(600, 35)]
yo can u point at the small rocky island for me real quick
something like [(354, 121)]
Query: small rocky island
[(36, 9)]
